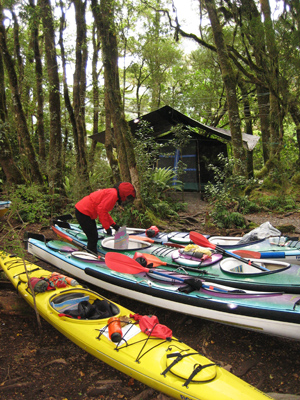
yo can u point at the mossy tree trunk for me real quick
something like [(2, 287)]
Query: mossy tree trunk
[(11, 172), (23, 132), (230, 83), (104, 17), (55, 166)]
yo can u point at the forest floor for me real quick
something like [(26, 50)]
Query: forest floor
[(47, 366)]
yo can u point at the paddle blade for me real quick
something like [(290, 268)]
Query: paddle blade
[(201, 240), (247, 253), (122, 263)]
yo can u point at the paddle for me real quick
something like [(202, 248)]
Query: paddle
[(126, 265), (202, 241), (75, 242)]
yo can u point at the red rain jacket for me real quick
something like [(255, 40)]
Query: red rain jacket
[(99, 204)]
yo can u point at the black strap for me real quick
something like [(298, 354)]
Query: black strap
[(296, 304), (196, 371), (29, 272), (179, 357)]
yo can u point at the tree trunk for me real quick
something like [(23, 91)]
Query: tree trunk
[(295, 114), (104, 17), (23, 131), (95, 76), (256, 37), (79, 85), (230, 86), (65, 83), (249, 20), (11, 172), (110, 143), (55, 167), (39, 85), (275, 112), (249, 130), (263, 101)]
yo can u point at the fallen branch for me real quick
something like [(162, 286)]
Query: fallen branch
[(15, 385), (145, 395)]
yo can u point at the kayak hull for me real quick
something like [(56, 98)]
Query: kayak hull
[(285, 279), (4, 207), (141, 357), (273, 313)]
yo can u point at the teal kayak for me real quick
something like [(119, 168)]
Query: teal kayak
[(273, 313), (277, 276), (279, 247)]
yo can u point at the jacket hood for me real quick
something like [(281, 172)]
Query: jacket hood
[(126, 189)]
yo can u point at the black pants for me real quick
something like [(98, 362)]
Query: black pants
[(89, 227)]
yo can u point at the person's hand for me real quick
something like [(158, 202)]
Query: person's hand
[(109, 231), (116, 227)]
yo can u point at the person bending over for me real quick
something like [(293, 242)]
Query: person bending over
[(98, 204)]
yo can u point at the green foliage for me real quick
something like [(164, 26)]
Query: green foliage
[(225, 219), (77, 186), (296, 178), (164, 180), (156, 183), (32, 203), (229, 200), (226, 187), (248, 206), (227, 196), (130, 216), (275, 202)]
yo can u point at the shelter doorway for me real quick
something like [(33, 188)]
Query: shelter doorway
[(197, 155)]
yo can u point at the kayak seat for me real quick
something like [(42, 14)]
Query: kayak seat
[(239, 268), (68, 301), (78, 305)]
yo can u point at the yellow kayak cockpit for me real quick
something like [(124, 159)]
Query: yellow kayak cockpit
[(82, 304)]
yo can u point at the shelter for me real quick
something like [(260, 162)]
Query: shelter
[(201, 150)]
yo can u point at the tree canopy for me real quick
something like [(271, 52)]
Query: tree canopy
[(72, 69)]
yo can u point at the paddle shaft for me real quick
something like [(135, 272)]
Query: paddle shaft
[(249, 262), (202, 241)]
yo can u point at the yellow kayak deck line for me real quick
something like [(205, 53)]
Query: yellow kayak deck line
[(167, 365)]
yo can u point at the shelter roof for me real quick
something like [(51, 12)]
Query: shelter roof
[(163, 119)]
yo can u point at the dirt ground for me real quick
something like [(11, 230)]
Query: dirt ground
[(47, 366)]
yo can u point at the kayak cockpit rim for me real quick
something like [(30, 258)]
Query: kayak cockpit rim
[(233, 266), (133, 244), (70, 299)]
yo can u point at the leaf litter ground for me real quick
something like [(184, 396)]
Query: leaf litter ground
[(46, 366)]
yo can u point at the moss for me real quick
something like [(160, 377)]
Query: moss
[(286, 228)]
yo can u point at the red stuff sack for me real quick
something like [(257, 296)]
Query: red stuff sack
[(40, 285), (151, 326)]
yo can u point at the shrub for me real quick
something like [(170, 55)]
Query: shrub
[(32, 203)]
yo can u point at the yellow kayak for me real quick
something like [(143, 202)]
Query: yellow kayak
[(86, 318)]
